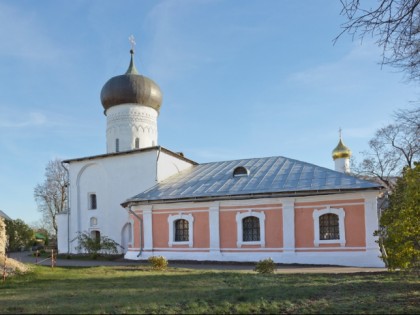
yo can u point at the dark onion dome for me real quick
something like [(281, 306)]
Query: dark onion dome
[(131, 87), (341, 151)]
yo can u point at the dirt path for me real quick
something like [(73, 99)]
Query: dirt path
[(25, 257)]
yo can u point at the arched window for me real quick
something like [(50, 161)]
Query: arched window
[(117, 145), (251, 229), (328, 227), (240, 171), (181, 230), (137, 143)]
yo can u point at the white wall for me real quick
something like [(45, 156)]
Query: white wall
[(62, 241), (113, 179), (127, 122), (342, 165), (169, 165)]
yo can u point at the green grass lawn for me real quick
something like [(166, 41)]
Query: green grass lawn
[(99, 290)]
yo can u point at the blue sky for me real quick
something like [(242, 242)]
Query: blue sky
[(240, 79)]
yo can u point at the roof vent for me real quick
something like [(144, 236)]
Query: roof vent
[(240, 171)]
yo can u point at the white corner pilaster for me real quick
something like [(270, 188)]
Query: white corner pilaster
[(288, 224), (147, 227), (371, 220), (214, 228)]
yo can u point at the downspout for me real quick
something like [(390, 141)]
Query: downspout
[(68, 207), (141, 228)]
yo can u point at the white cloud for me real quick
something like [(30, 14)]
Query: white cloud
[(347, 73), (23, 121), (184, 40), (171, 53), (23, 36), (362, 132)]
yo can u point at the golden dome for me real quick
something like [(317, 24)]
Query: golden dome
[(341, 151)]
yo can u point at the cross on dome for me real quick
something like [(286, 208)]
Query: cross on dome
[(341, 151), (132, 43)]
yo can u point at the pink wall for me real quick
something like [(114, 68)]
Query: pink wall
[(354, 222), (201, 230), (273, 225), (227, 229), (161, 227), (304, 225)]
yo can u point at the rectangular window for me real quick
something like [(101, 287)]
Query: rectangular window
[(92, 201)]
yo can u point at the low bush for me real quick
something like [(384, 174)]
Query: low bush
[(158, 262), (265, 266), (95, 246)]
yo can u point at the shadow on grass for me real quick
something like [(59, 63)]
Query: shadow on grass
[(137, 289)]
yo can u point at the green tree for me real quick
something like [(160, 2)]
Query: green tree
[(19, 234), (400, 224)]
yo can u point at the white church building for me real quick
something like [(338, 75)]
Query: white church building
[(154, 201)]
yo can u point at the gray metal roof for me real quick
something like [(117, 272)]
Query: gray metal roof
[(4, 215), (267, 176)]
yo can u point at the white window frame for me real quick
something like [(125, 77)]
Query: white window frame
[(171, 222), (93, 221), (239, 228), (341, 226)]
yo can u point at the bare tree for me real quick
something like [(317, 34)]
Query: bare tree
[(392, 148), (3, 238), (410, 120), (51, 195), (395, 24), (404, 135)]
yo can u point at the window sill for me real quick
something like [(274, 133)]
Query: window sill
[(321, 242), (188, 243), (240, 244)]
